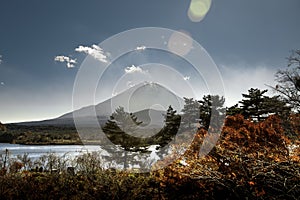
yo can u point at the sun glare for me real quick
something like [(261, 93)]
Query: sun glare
[(180, 43), (198, 9)]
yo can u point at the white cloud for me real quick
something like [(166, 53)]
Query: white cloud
[(134, 69), (130, 84), (240, 78), (95, 51), (140, 48), (70, 62), (2, 83), (186, 78), (0, 59)]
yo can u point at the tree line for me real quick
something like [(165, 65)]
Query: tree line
[(210, 112)]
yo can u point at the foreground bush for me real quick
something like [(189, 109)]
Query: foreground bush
[(102, 185), (276, 181)]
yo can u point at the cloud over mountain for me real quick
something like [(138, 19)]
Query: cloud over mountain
[(95, 51), (140, 48), (186, 78), (65, 59), (133, 69)]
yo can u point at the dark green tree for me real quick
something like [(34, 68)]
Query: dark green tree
[(128, 122), (190, 112), (233, 110), (119, 129), (275, 105), (5, 136), (170, 129), (172, 124), (168, 132), (257, 106), (252, 104), (2, 128), (212, 111)]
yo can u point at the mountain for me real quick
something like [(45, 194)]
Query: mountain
[(148, 101), (151, 117)]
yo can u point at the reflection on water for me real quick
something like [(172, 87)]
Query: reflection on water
[(36, 151), (111, 158)]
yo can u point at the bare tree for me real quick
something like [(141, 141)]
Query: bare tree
[(289, 81)]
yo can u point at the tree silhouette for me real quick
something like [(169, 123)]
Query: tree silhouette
[(211, 111), (252, 104), (190, 113), (275, 105), (168, 132), (3, 128), (289, 81), (257, 106), (120, 130), (234, 110), (172, 124), (5, 135)]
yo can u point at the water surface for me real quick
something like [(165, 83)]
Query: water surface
[(36, 151)]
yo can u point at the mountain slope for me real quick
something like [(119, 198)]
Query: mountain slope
[(142, 99)]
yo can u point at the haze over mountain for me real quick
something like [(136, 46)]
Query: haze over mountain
[(149, 101)]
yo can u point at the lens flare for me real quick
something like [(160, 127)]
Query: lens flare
[(180, 43), (198, 9), (166, 87)]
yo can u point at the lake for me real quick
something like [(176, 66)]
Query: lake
[(36, 151), (71, 151)]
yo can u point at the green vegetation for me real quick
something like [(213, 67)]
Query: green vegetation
[(39, 135), (258, 107), (123, 129)]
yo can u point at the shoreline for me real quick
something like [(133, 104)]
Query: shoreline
[(56, 143)]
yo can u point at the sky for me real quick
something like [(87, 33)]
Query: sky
[(43, 45)]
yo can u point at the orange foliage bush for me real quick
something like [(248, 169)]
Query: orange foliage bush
[(295, 124), (247, 155)]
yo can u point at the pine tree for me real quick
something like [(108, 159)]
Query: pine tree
[(274, 105), (121, 121), (258, 107), (253, 104), (119, 129), (172, 121), (233, 110), (218, 112), (211, 108), (190, 113), (168, 132)]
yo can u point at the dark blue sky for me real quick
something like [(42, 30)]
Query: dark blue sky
[(248, 40)]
